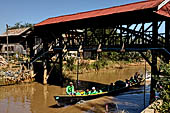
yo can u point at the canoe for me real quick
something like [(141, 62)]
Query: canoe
[(63, 100)]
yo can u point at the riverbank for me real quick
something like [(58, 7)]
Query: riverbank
[(14, 72), (106, 61)]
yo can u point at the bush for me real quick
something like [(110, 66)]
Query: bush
[(84, 65), (126, 56), (96, 65), (70, 64), (163, 87)]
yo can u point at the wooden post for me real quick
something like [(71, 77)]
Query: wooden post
[(31, 47), (154, 61), (77, 71), (61, 60), (167, 40), (45, 75), (143, 32), (60, 69), (154, 74), (7, 41), (32, 71)]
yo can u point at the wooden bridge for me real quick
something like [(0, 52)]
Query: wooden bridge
[(140, 27)]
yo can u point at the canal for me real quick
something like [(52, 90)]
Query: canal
[(38, 98)]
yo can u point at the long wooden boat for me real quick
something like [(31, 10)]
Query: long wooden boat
[(63, 100)]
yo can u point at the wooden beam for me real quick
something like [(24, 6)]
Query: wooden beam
[(167, 40)]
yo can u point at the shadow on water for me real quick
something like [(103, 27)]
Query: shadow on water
[(99, 105), (92, 108), (55, 106)]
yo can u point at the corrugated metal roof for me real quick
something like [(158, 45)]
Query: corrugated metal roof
[(15, 32), (165, 10), (102, 12)]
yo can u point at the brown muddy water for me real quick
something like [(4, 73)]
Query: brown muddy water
[(38, 98)]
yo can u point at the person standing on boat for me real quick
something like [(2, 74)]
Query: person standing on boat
[(70, 89)]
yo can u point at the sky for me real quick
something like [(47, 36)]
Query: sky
[(35, 11)]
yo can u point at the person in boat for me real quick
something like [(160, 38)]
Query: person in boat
[(127, 83), (111, 87), (136, 76), (94, 90), (77, 93), (87, 92), (140, 77), (70, 89), (131, 80), (100, 91)]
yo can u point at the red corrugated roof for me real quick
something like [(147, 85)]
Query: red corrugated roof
[(165, 10), (102, 12)]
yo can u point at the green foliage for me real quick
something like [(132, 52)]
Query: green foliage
[(100, 64), (20, 25), (96, 65), (165, 68), (70, 64), (84, 65), (163, 87), (103, 62), (127, 56), (110, 56)]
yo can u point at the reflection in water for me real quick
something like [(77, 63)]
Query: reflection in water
[(16, 99), (28, 98), (38, 98)]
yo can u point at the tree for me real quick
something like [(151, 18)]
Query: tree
[(20, 25)]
